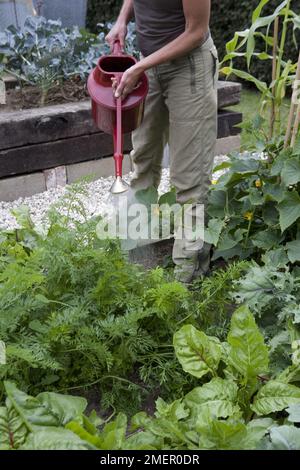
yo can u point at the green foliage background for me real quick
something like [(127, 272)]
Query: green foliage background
[(228, 16)]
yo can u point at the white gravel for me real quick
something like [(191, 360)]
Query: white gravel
[(98, 202)]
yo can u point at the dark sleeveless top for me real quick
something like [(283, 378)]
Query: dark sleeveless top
[(158, 22)]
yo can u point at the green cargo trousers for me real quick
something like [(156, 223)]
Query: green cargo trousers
[(181, 109)]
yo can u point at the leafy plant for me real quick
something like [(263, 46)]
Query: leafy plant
[(45, 54), (244, 45), (273, 295), (75, 313), (255, 206), (239, 406)]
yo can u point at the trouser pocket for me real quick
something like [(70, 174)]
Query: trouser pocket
[(215, 58)]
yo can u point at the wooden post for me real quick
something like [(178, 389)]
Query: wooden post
[(296, 127), (292, 110)]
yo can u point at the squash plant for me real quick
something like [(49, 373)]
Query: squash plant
[(255, 206)]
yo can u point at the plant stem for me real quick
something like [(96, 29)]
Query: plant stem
[(274, 70), (280, 55), (248, 231)]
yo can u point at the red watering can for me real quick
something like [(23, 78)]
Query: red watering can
[(112, 115)]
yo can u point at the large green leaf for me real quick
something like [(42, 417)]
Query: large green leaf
[(260, 22), (248, 354), (114, 433), (261, 86), (293, 251), (290, 174), (13, 430), (64, 407), (231, 434), (284, 438), (51, 438), (175, 411), (258, 10), (47, 409), (277, 258), (267, 239), (294, 413), (216, 399), (275, 396), (197, 353), (213, 231), (289, 209)]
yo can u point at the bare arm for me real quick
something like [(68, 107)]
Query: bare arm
[(119, 31), (197, 16)]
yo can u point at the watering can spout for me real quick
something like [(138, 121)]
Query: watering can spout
[(119, 186)]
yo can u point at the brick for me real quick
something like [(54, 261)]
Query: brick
[(21, 186)]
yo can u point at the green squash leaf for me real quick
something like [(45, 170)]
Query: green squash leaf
[(290, 174), (213, 231), (293, 251), (289, 209)]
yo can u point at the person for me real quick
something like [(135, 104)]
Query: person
[(181, 61)]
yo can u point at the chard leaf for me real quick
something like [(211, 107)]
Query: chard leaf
[(248, 354), (216, 399), (197, 353), (114, 433), (222, 435), (13, 430), (54, 439), (64, 407), (47, 409), (275, 396)]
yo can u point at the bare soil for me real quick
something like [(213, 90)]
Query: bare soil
[(31, 97)]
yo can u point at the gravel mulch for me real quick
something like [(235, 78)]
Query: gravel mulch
[(98, 202)]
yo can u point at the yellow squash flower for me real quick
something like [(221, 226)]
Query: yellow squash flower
[(248, 215)]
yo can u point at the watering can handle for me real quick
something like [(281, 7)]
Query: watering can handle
[(117, 49)]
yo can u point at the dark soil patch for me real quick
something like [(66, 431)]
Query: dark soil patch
[(31, 96)]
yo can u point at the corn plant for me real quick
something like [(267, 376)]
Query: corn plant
[(246, 44)]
